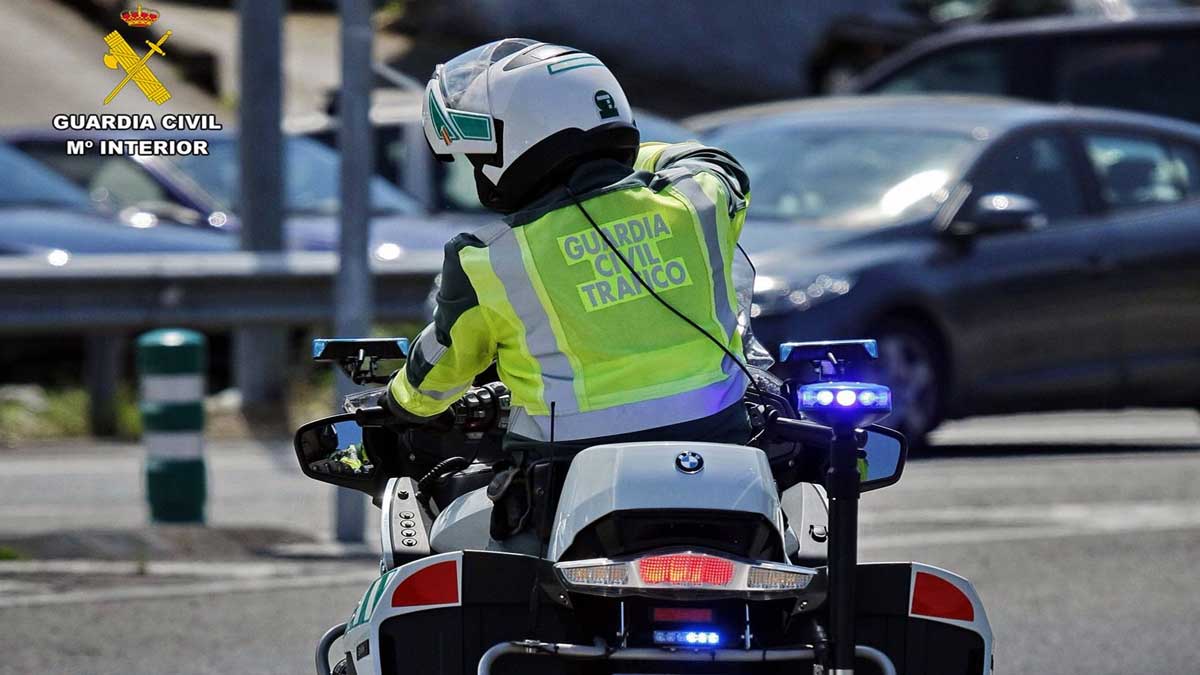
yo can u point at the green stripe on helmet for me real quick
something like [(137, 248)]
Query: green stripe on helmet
[(473, 127), (441, 124)]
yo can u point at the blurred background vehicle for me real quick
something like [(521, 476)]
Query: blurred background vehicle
[(1146, 64), (1008, 256), (42, 212), (202, 191), (859, 39)]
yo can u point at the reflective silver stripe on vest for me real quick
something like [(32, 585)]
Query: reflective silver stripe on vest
[(431, 350), (558, 378), (427, 343), (706, 210), (623, 419), (443, 395)]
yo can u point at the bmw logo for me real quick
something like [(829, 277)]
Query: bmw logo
[(689, 462)]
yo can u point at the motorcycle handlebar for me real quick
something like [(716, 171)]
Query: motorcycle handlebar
[(373, 416), (799, 431), (479, 409), (486, 407)]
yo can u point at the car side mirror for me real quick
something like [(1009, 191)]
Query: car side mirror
[(885, 453), (1000, 212), (331, 450)]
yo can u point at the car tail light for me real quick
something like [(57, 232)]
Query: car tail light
[(690, 570), (936, 597), (667, 573)]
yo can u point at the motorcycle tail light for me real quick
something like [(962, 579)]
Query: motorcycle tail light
[(686, 570), (670, 574), (763, 578), (612, 574)]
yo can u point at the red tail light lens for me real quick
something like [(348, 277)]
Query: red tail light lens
[(936, 597), (433, 585), (685, 569)]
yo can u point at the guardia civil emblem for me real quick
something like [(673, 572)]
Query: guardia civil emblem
[(121, 56)]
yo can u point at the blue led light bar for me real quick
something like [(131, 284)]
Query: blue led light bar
[(689, 638), (857, 403)]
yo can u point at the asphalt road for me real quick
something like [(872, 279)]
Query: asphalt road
[(1083, 550)]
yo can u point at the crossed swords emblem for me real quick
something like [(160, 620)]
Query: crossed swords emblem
[(120, 54)]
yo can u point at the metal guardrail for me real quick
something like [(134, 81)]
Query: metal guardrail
[(107, 298), (102, 293)]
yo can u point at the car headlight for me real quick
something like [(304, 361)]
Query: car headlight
[(773, 295), (388, 251)]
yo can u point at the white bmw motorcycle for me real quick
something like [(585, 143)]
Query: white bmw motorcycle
[(638, 557)]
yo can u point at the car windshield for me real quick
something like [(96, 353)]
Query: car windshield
[(311, 184), (845, 177), (28, 182)]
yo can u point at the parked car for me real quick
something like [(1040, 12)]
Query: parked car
[(856, 41), (440, 186), (1147, 64), (43, 213), (1008, 256), (202, 191)]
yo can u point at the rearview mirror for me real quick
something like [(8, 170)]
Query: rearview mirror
[(359, 357), (331, 450), (886, 451), (999, 212)]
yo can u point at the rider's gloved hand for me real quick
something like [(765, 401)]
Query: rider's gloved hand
[(404, 417), (352, 460)]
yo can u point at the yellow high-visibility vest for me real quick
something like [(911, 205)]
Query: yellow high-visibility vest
[(547, 298)]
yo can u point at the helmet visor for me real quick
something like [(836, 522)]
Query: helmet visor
[(457, 113)]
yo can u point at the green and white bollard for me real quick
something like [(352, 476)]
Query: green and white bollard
[(172, 364)]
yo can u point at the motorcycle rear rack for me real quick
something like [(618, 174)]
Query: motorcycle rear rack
[(587, 652)]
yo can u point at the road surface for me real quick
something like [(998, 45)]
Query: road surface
[(1084, 552)]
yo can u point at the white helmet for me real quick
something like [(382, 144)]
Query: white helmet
[(525, 114)]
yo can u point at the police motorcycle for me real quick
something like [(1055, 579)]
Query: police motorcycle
[(647, 557)]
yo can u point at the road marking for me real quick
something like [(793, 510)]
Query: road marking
[(154, 568), (1123, 514), (1051, 521), (159, 592)]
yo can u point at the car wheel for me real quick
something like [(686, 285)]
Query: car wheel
[(910, 363)]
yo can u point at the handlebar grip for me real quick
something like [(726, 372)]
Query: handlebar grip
[(803, 432), (374, 416)]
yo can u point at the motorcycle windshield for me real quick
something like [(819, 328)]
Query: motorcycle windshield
[(743, 283), (366, 398)]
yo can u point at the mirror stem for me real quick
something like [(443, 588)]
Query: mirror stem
[(842, 483)]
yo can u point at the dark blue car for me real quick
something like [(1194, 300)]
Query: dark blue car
[(42, 212), (1008, 256), (202, 191)]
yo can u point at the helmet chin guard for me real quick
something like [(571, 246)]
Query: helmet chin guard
[(524, 111)]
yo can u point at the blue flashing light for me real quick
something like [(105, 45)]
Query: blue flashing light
[(859, 403), (693, 638)]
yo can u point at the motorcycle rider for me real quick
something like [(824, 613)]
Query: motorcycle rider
[(568, 294)]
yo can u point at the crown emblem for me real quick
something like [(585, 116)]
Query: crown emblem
[(139, 18)]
